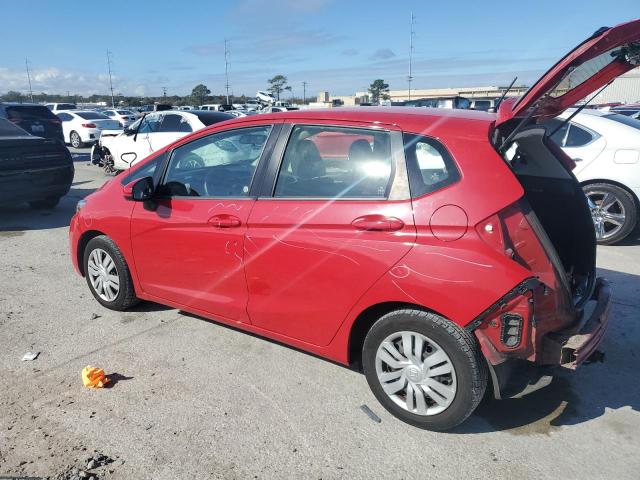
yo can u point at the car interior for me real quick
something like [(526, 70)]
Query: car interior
[(335, 162)]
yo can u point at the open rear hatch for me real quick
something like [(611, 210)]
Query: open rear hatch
[(558, 208)]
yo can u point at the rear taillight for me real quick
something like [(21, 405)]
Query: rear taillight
[(492, 232), (510, 233), (89, 125)]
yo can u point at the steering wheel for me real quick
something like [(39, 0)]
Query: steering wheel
[(189, 162)]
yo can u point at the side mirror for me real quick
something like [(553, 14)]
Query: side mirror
[(139, 190), (128, 132)]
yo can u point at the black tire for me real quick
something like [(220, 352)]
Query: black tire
[(626, 204), (75, 140), (457, 343), (126, 296), (49, 202)]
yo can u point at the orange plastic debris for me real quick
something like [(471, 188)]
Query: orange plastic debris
[(93, 377)]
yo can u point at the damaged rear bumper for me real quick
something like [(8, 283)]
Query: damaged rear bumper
[(579, 342)]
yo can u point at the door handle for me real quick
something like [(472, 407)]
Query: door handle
[(224, 221), (378, 223)]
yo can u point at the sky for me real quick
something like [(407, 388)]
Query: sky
[(339, 46)]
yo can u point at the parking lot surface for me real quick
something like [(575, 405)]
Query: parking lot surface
[(190, 398)]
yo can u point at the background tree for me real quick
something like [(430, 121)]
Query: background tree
[(199, 93), (379, 91), (277, 85)]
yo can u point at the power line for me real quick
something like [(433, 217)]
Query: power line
[(26, 64), (410, 77), (113, 103)]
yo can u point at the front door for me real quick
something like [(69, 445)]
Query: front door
[(189, 249), (134, 147), (330, 228)]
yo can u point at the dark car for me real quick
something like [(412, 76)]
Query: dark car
[(32, 169), (35, 119)]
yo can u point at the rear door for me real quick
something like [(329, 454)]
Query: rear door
[(334, 215)]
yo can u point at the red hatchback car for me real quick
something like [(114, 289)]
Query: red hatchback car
[(424, 245)]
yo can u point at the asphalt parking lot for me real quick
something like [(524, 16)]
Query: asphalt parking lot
[(194, 399)]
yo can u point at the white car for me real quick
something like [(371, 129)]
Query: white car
[(605, 147), (125, 117), (120, 150), (80, 127), (265, 97), (57, 107)]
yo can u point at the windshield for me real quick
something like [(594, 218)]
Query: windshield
[(629, 121), (92, 116)]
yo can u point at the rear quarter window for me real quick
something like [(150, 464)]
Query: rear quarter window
[(429, 165)]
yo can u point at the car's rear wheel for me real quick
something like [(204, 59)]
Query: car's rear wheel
[(108, 275), (49, 202), (75, 140), (424, 369), (613, 210)]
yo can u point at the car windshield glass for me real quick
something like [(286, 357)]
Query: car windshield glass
[(629, 121), (66, 106), (29, 112), (8, 129), (92, 116)]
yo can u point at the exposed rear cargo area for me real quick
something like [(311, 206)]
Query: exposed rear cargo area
[(558, 207)]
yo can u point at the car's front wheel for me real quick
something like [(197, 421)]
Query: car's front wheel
[(424, 369), (613, 211), (75, 139), (108, 275)]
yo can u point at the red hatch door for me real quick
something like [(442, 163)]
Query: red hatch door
[(607, 54)]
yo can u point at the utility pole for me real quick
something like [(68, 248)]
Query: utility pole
[(164, 92), (410, 77), (26, 64), (113, 103), (304, 93), (226, 68)]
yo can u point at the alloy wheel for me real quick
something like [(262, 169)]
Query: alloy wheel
[(75, 140), (103, 275), (608, 213), (416, 373)]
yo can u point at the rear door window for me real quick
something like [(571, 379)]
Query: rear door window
[(335, 162), (429, 165)]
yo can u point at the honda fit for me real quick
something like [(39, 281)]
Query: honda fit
[(440, 251)]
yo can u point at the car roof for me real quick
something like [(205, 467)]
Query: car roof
[(388, 115)]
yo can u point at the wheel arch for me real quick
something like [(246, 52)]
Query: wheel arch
[(82, 245), (592, 181), (365, 320)]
